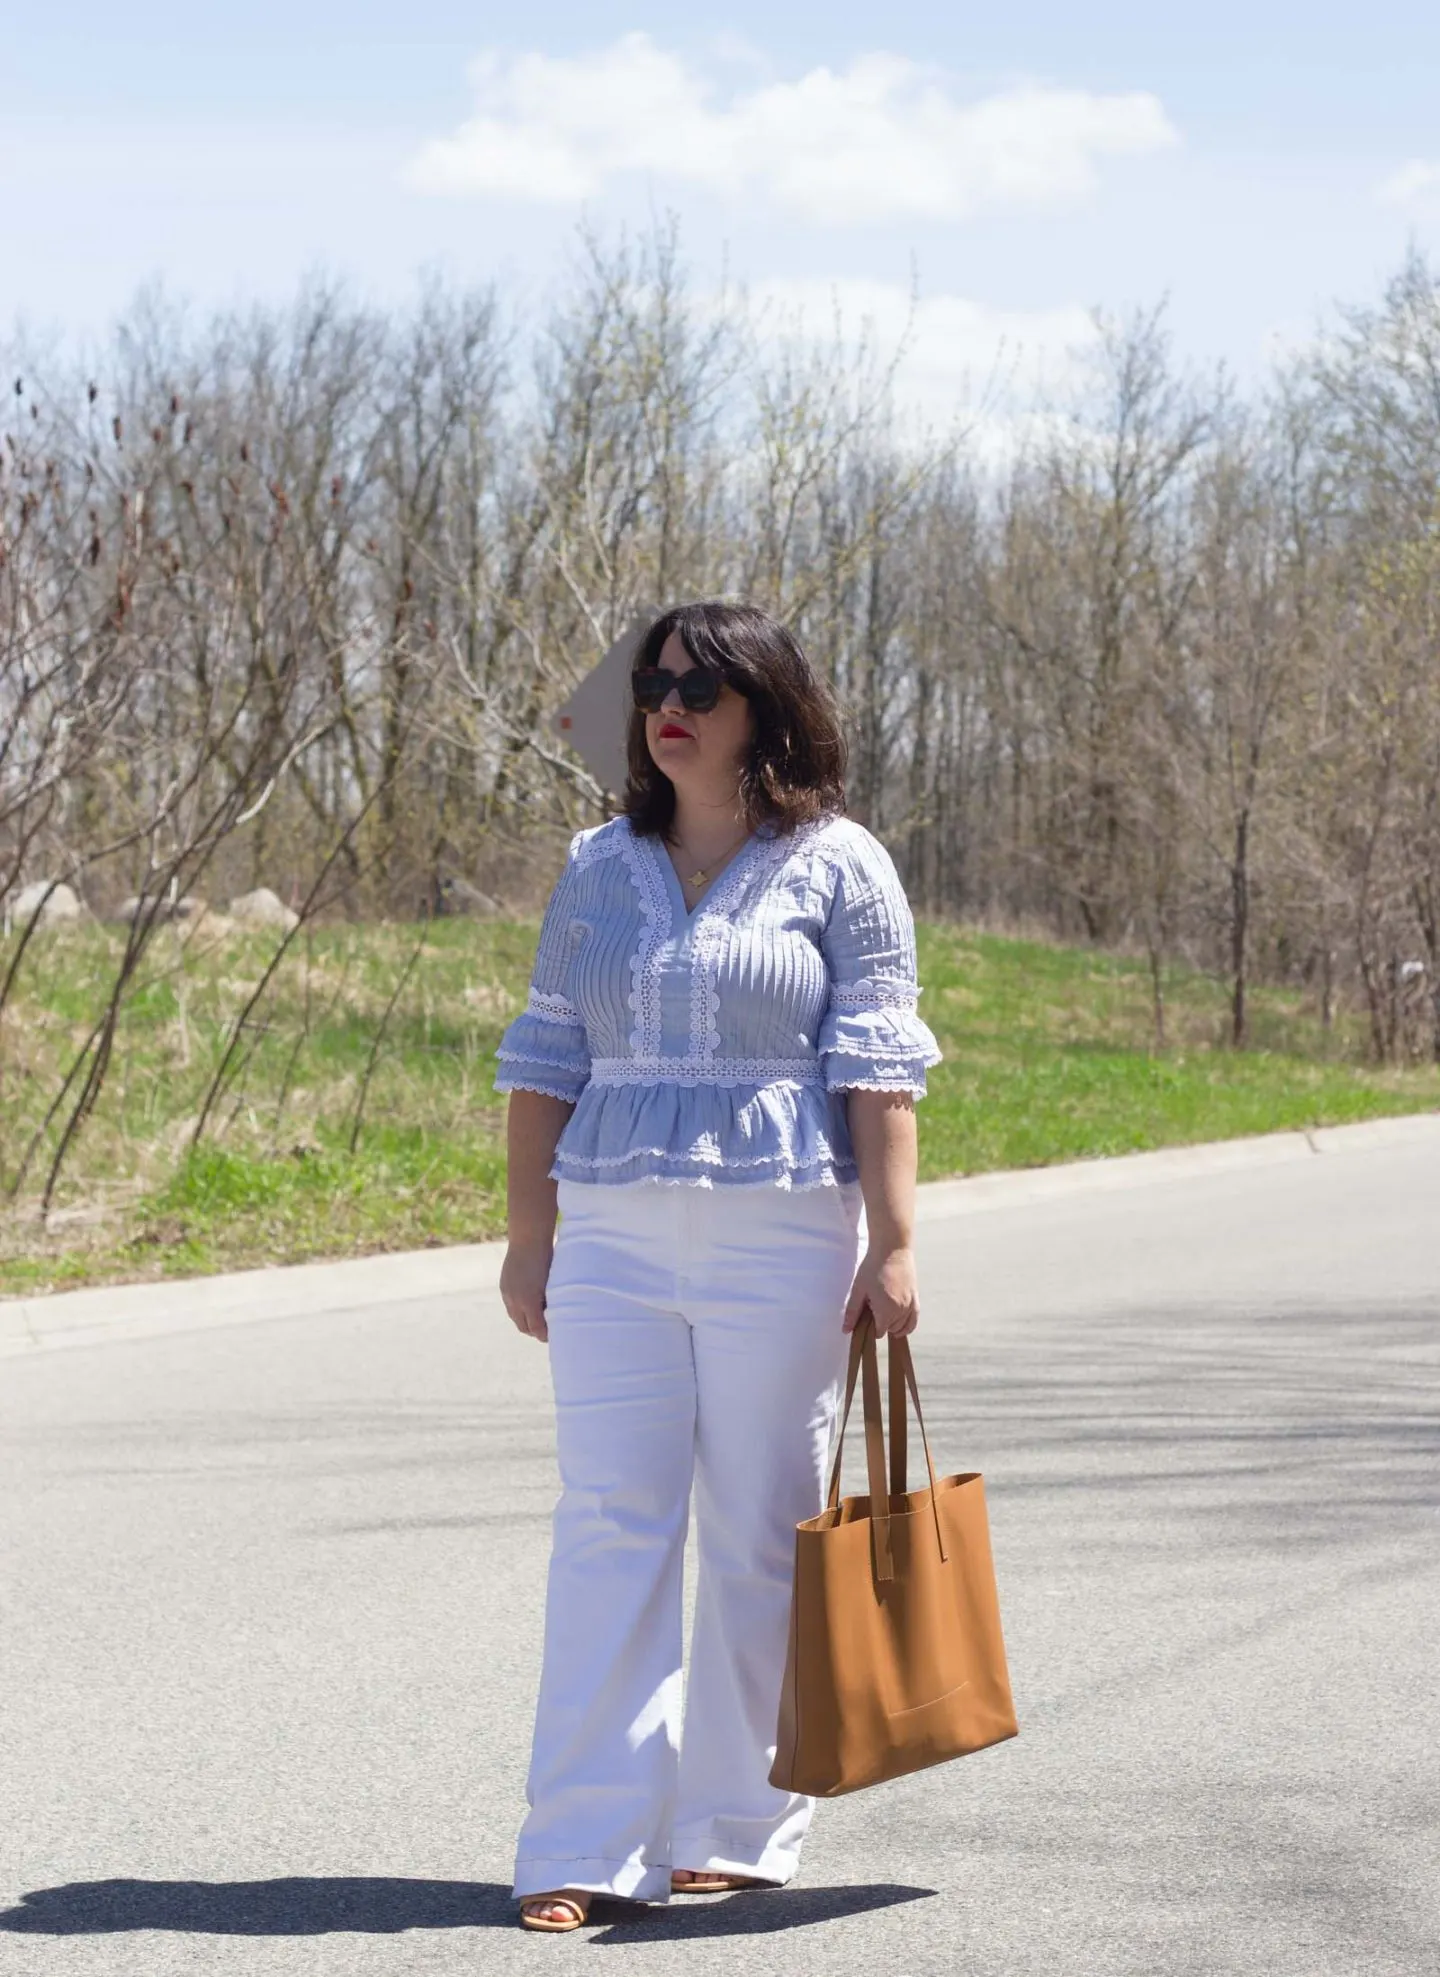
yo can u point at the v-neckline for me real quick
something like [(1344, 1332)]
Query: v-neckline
[(690, 916)]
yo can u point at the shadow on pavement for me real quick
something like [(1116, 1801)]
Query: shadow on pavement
[(1245, 1430), (299, 1905), (756, 1912), (382, 1905)]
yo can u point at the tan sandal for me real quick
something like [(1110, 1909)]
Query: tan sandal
[(715, 1884), (577, 1900)]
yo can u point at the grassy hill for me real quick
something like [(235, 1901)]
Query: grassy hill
[(1048, 1058)]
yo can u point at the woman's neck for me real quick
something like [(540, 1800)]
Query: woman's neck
[(707, 824)]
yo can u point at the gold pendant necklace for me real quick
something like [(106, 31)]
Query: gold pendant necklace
[(701, 875)]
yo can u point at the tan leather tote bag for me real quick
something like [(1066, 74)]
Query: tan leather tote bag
[(896, 1659)]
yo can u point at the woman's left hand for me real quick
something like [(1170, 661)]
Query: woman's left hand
[(886, 1282)]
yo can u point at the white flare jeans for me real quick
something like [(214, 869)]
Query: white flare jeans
[(695, 1342)]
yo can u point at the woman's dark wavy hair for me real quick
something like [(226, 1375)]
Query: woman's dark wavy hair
[(795, 770)]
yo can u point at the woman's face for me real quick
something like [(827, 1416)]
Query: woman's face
[(703, 750)]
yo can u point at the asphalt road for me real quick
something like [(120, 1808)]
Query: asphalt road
[(271, 1605)]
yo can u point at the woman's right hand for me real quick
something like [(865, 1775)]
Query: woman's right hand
[(534, 1125), (523, 1277)]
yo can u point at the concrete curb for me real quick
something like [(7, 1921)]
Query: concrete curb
[(299, 1290), (939, 1200), (131, 1311)]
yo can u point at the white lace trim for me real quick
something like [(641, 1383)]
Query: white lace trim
[(603, 841), (867, 994), (525, 1082), (551, 1008), (905, 1053), (911, 1081), (704, 1157), (704, 969), (644, 996), (705, 1070), (784, 1181), (704, 998), (508, 1055)]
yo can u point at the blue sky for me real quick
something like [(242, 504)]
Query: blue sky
[(1028, 162)]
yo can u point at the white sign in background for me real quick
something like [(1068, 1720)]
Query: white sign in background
[(594, 720)]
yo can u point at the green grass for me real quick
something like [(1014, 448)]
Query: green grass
[(1048, 1057)]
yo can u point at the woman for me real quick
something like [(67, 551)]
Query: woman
[(714, 1082)]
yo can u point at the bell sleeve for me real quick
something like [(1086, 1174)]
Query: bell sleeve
[(871, 1037), (545, 1049)]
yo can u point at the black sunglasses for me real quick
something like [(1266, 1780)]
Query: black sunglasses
[(698, 690)]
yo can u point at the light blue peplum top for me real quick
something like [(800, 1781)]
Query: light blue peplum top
[(715, 1047)]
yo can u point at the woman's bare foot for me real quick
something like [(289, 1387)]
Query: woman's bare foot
[(558, 1913)]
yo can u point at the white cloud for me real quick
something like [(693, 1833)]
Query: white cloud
[(989, 370), (882, 138), (1411, 182)]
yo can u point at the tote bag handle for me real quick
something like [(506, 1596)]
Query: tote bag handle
[(864, 1362)]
